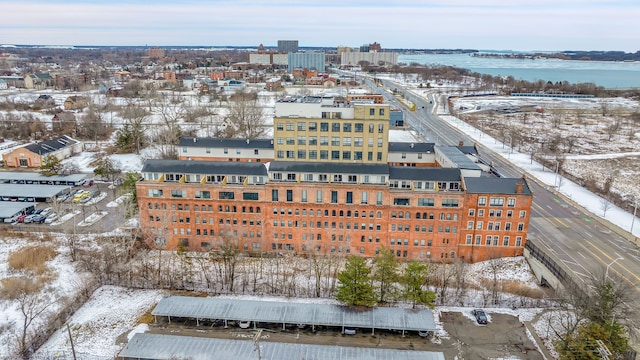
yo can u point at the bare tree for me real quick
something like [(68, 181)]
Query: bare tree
[(246, 116), (605, 205)]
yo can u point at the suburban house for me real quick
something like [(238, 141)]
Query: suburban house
[(38, 81), (31, 155), (76, 103)]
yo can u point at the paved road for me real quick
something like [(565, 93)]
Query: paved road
[(581, 243)]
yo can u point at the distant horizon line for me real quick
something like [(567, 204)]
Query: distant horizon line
[(146, 46)]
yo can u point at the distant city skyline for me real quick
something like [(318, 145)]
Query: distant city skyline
[(543, 25)]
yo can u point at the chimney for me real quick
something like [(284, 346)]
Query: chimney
[(519, 187)]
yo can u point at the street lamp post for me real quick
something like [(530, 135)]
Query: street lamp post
[(633, 219), (606, 273)]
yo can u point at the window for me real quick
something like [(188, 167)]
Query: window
[(426, 202), (357, 155), (302, 126), (302, 154), (319, 196), (379, 198), (346, 127), (349, 197), (346, 141), (380, 128), (313, 154), (302, 140), (359, 127), (335, 141), (280, 126), (450, 202), (280, 154), (523, 214), (520, 226), (364, 198), (303, 196), (289, 195), (496, 201), (381, 112), (313, 140), (335, 127), (203, 195), (401, 201), (482, 201), (335, 155), (324, 154), (334, 197), (313, 126), (511, 202), (346, 155), (225, 151), (324, 126), (155, 193), (372, 111), (178, 193), (291, 154), (226, 195), (518, 240), (289, 126), (250, 196), (274, 195)]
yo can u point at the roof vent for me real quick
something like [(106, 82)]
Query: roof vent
[(195, 139), (411, 145), (248, 141)]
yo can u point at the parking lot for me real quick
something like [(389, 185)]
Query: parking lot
[(503, 337), (76, 211)]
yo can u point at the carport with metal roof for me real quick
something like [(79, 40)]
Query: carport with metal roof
[(10, 209), (284, 313), (37, 193), (156, 346)]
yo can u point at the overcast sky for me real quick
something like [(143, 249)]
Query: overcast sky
[(422, 24)]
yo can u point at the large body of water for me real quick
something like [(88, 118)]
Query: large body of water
[(609, 74)]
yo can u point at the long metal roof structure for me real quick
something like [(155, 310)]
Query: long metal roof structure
[(156, 346), (31, 191), (9, 209), (15, 176), (295, 313)]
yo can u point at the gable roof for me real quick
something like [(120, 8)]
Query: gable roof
[(411, 147), (49, 146), (226, 143), (424, 173), (328, 167), (507, 186), (204, 167)]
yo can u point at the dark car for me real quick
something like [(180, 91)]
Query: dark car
[(480, 316), (39, 219)]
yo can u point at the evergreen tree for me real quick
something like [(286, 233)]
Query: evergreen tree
[(385, 274), (413, 279), (106, 169), (51, 165), (354, 283)]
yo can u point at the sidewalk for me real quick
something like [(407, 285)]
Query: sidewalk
[(536, 338)]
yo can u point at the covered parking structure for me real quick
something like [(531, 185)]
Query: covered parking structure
[(32, 178), (31, 193), (156, 346), (381, 318), (11, 209)]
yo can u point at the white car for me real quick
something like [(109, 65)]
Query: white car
[(46, 211), (51, 218), (244, 324)]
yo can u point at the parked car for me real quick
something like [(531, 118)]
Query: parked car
[(39, 219), (46, 211), (81, 195), (349, 331), (480, 316), (63, 197), (87, 182), (21, 218), (29, 218), (244, 324), (424, 333), (51, 218), (11, 219)]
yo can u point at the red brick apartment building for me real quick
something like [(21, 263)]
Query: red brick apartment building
[(335, 205)]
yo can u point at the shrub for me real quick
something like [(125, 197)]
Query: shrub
[(32, 259)]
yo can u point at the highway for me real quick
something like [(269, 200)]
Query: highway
[(575, 239)]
